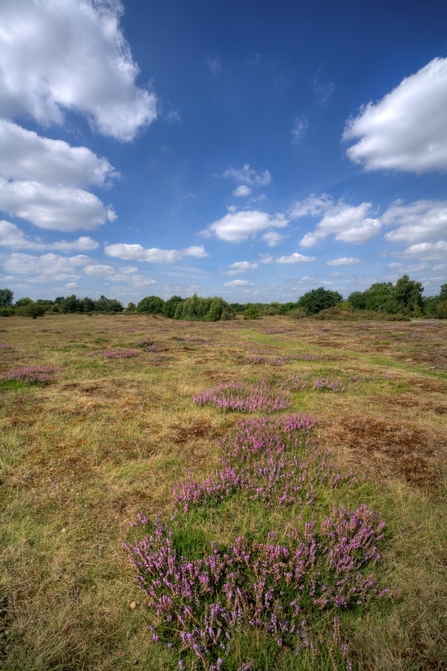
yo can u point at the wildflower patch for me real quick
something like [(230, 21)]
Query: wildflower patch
[(205, 596), (32, 374)]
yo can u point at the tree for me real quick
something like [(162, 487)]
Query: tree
[(151, 305), (70, 304), (31, 309), (104, 304), (170, 306), (357, 300), (23, 301), (251, 311), (408, 295), (6, 296), (380, 296), (319, 299)]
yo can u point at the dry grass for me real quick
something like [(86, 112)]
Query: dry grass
[(81, 457)]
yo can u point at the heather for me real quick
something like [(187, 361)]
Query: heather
[(112, 438), (245, 397), (32, 374), (285, 582)]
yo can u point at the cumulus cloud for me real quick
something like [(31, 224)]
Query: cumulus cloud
[(27, 156), (71, 55), (241, 267), (346, 222), (272, 238), (343, 261), (12, 236), (427, 251), (153, 255), (313, 205), (242, 190), (239, 283), (238, 226), (299, 129), (53, 207), (423, 220), (98, 270), (47, 267), (407, 129), (249, 176), (295, 258)]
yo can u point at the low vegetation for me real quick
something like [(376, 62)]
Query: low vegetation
[(263, 493)]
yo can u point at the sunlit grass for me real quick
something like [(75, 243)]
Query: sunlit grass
[(110, 438)]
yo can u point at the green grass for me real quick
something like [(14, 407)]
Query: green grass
[(81, 457)]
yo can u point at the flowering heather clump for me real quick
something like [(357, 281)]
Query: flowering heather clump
[(277, 584), (119, 354), (263, 359), (245, 397), (276, 587), (148, 346), (328, 384), (272, 459), (32, 374), (4, 346)]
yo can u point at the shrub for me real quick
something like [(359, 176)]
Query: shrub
[(32, 374), (251, 311), (32, 310), (441, 310)]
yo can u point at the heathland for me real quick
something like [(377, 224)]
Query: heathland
[(279, 485)]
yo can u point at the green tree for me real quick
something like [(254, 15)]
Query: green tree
[(251, 311), (108, 305), (6, 296), (357, 300), (408, 295), (70, 304), (31, 309), (151, 305), (23, 301), (170, 306), (319, 299), (380, 296)]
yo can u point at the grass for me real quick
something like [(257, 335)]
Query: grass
[(110, 438)]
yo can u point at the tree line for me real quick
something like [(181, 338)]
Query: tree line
[(401, 300)]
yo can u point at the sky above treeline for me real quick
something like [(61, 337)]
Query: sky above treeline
[(248, 149)]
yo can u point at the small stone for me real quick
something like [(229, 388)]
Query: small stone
[(133, 605), (63, 530)]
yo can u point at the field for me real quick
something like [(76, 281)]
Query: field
[(118, 428)]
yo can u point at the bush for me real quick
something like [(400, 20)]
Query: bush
[(32, 309), (297, 313), (251, 311), (319, 299), (441, 310)]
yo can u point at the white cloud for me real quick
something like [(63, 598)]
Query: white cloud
[(98, 270), (295, 258), (242, 190), (238, 226), (153, 255), (249, 176), (343, 261), (53, 207), (421, 221), (427, 251), (71, 55), (272, 238), (313, 205), (241, 267), (322, 90), (407, 129), (47, 267), (239, 283), (299, 129), (27, 156), (346, 222), (12, 236)]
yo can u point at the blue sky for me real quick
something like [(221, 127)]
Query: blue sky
[(250, 149)]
